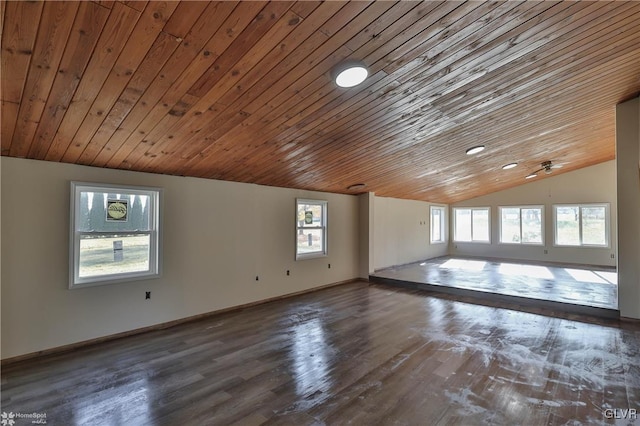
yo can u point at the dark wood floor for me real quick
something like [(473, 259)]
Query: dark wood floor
[(569, 284), (357, 353)]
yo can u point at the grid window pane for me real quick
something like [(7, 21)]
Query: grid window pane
[(463, 225), (437, 224), (531, 225), (310, 241), (310, 215), (106, 255), (93, 212), (568, 225), (480, 228), (311, 228), (594, 226), (510, 225)]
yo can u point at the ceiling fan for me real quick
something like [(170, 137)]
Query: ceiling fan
[(547, 167)]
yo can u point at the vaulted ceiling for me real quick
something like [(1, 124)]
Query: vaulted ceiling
[(242, 91)]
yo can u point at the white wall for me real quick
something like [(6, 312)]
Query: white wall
[(595, 184), (628, 175), (401, 232), (217, 237), (365, 222)]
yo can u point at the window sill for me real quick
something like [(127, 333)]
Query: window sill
[(522, 244), (472, 242), (114, 279), (310, 256)]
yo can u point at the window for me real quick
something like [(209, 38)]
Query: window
[(114, 234), (581, 225), (521, 225), (437, 224), (311, 228), (471, 224)]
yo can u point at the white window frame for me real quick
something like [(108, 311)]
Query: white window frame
[(580, 206), (325, 228), (443, 220), (472, 241), (521, 208), (155, 258)]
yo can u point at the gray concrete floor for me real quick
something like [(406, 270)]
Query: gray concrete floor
[(573, 284)]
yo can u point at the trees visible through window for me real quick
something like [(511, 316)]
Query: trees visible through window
[(438, 220), (115, 233), (581, 225), (311, 228), (521, 225), (471, 224)]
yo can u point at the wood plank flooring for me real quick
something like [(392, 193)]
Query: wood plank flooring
[(353, 354), (565, 284)]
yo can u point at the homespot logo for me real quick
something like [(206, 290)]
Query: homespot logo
[(9, 419), (6, 419), (621, 413)]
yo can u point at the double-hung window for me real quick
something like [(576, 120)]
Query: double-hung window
[(311, 228), (438, 220), (581, 225), (471, 224), (521, 225), (115, 234)]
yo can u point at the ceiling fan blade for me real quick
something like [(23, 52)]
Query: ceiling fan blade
[(549, 165)]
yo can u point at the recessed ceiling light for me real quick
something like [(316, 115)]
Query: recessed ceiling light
[(350, 73), (509, 166), (356, 187), (531, 176), (475, 150)]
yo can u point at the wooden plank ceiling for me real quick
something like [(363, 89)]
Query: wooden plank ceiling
[(242, 91)]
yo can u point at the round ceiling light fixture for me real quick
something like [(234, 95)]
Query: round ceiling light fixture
[(350, 73), (509, 166), (356, 187), (475, 150)]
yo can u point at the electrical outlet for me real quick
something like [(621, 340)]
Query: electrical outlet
[(546, 251), (147, 295), (257, 278), (613, 256), (287, 272), (329, 266)]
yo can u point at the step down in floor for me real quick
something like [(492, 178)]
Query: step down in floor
[(569, 308)]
